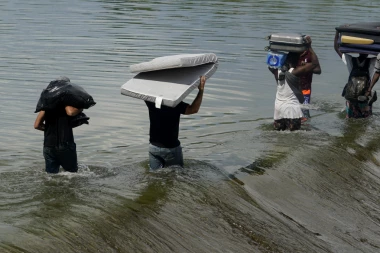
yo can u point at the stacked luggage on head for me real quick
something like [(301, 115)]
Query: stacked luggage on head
[(280, 44), (362, 38)]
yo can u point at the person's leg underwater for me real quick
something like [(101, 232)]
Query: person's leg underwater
[(294, 124), (279, 125), (174, 156), (68, 157), (155, 158), (51, 160), (306, 112)]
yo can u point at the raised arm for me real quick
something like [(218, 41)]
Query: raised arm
[(317, 69), (194, 107), (39, 123), (72, 111), (274, 72), (309, 66), (375, 77), (336, 46)]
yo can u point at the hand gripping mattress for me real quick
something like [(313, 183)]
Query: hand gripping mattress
[(168, 80)]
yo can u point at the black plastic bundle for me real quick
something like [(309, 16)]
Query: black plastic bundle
[(79, 120), (64, 93)]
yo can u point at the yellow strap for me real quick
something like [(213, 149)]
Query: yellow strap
[(356, 40)]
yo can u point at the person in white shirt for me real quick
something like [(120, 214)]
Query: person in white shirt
[(287, 109)]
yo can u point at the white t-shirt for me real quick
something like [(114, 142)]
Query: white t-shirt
[(286, 105), (373, 67), (377, 64)]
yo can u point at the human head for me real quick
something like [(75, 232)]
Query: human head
[(292, 59), (363, 56)]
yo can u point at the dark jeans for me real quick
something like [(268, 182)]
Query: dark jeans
[(64, 155)]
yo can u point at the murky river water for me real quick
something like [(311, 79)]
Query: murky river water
[(315, 190)]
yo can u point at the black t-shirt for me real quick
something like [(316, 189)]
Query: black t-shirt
[(164, 124), (58, 130)]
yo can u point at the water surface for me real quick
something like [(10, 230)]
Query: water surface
[(314, 190)]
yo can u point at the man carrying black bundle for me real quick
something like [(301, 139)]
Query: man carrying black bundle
[(59, 146)]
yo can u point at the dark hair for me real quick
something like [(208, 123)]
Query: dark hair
[(292, 58)]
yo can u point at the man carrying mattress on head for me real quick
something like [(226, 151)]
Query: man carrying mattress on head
[(307, 78), (165, 148), (364, 73)]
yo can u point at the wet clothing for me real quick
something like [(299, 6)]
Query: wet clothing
[(290, 124), (164, 124), (306, 112), (360, 109), (287, 109), (58, 130), (59, 146), (165, 149), (347, 60), (305, 81), (164, 157), (377, 64), (64, 155), (287, 105)]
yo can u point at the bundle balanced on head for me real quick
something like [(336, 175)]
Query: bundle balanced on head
[(362, 39), (59, 111)]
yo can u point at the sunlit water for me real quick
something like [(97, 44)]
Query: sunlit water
[(245, 188)]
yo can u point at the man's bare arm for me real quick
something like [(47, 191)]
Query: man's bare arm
[(373, 82), (72, 111), (39, 122), (336, 46), (301, 70), (274, 72), (317, 69), (194, 107), (314, 58)]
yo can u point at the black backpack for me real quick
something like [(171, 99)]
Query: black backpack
[(358, 81)]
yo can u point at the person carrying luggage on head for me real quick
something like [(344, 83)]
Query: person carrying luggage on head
[(289, 97), (364, 73)]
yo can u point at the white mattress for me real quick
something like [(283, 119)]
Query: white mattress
[(174, 61), (169, 86)]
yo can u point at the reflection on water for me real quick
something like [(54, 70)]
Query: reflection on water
[(247, 188)]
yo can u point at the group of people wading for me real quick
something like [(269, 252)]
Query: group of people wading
[(294, 85), (293, 89)]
